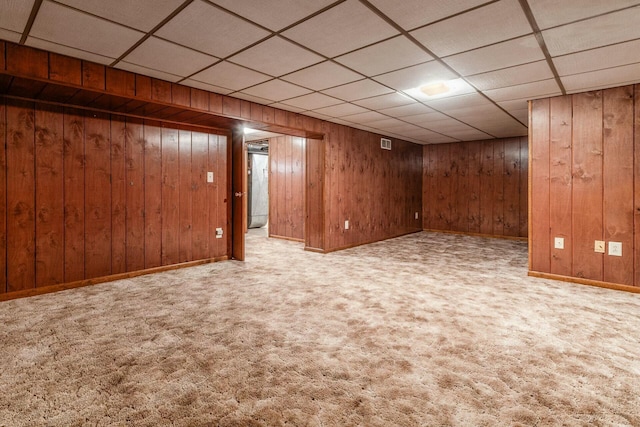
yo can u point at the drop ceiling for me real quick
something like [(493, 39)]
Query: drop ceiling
[(356, 62)]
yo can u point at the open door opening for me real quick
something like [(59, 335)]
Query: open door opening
[(270, 194)]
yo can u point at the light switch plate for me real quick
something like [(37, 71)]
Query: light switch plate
[(346, 225), (558, 243), (209, 176), (615, 248), (599, 246), (416, 215)]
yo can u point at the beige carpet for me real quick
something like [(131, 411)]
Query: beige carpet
[(424, 330)]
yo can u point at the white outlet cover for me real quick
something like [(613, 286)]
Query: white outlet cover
[(346, 225), (599, 246), (558, 243), (416, 215), (209, 176), (615, 248)]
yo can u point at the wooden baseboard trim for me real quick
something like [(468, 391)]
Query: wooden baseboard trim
[(292, 239), (491, 236), (316, 250), (588, 282), (95, 281)]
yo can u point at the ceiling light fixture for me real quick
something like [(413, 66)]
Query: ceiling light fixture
[(434, 89), (248, 131)]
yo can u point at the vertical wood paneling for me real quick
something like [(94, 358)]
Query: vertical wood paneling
[(93, 75), (459, 157), (636, 222), (170, 197), (225, 207), (134, 185), (560, 184), (152, 195), (442, 217), (200, 196), (475, 172), (26, 61), (511, 187), (97, 196), (74, 209), (65, 69), (49, 189), (486, 188), (524, 186), (185, 196), (20, 196), (118, 195), (587, 185), (314, 224), (539, 258), (618, 182), (3, 187), (498, 187)]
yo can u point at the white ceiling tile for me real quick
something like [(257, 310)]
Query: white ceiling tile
[(385, 56), (205, 86), (357, 90), (490, 24), (456, 87), (591, 60), (274, 15), (369, 116), (69, 51), (468, 135), (318, 115), (515, 105), (416, 76), (389, 124), (343, 28), (541, 89), (446, 125), (410, 14), (502, 55), (82, 31), (472, 114), (276, 57), (322, 76), (230, 76), (224, 35), (550, 13), (460, 101), (134, 68), (276, 90), (341, 110), (286, 107), (169, 57), (141, 14), (385, 101), (601, 79), (425, 118), (251, 98), (312, 101), (595, 32), (407, 110), (10, 36), (15, 14), (519, 74)]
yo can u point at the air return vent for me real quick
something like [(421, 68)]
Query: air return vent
[(385, 144)]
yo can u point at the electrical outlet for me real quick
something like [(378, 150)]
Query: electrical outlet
[(558, 243), (416, 215), (615, 248), (599, 246), (219, 233), (209, 176), (346, 225)]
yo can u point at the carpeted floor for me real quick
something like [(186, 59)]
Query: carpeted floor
[(423, 330)]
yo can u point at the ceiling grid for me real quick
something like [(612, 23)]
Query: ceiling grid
[(356, 62)]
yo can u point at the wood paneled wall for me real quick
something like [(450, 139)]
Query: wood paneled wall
[(87, 195), (477, 187), (377, 191), (287, 187), (582, 184)]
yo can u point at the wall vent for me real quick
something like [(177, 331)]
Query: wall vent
[(385, 144)]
